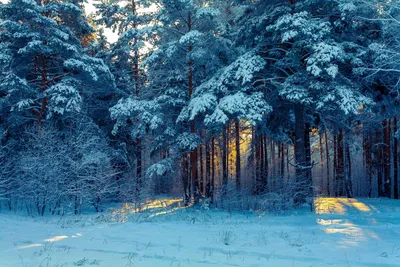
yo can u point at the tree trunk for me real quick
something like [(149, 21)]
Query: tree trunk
[(193, 169), (387, 181), (262, 163), (307, 147), (379, 162), (395, 161), (238, 161), (349, 186), (282, 163), (273, 162), (139, 182), (340, 183), (202, 183), (303, 188), (212, 186), (266, 164), (208, 170), (224, 163), (327, 165), (185, 181), (287, 163), (321, 159)]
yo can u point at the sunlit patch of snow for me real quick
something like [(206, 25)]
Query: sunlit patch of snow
[(343, 232), (76, 235), (30, 246), (340, 205), (56, 238)]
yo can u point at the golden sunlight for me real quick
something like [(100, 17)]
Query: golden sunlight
[(339, 205), (56, 238), (30, 246)]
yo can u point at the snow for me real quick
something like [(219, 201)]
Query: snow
[(342, 232), (191, 37)]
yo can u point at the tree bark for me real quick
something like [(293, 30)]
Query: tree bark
[(321, 159), (238, 161), (266, 163), (307, 147), (379, 162), (349, 186), (282, 164), (185, 181), (387, 181), (303, 188), (224, 163), (202, 182), (395, 161), (327, 165), (262, 146), (340, 183), (208, 170), (212, 186)]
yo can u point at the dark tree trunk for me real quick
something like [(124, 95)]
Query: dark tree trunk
[(208, 170), (282, 160), (307, 147), (202, 182), (387, 181), (367, 162), (321, 159), (395, 161), (257, 182), (379, 162), (334, 182), (349, 186), (194, 174), (212, 186), (238, 161), (287, 163), (304, 188), (224, 162), (340, 183), (186, 181), (273, 167), (266, 164), (139, 182), (327, 165), (262, 163)]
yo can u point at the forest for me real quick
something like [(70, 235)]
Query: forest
[(240, 105)]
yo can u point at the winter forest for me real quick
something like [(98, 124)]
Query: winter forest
[(233, 105)]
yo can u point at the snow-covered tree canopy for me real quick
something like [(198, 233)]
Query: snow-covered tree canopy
[(46, 57)]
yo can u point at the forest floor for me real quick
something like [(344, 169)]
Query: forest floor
[(342, 232)]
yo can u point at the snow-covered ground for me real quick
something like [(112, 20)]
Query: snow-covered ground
[(358, 232)]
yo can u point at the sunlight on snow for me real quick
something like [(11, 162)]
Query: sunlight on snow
[(328, 222), (50, 240), (76, 235), (340, 205), (158, 206), (30, 246), (352, 234), (56, 238)]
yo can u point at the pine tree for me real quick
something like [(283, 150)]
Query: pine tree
[(47, 60)]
